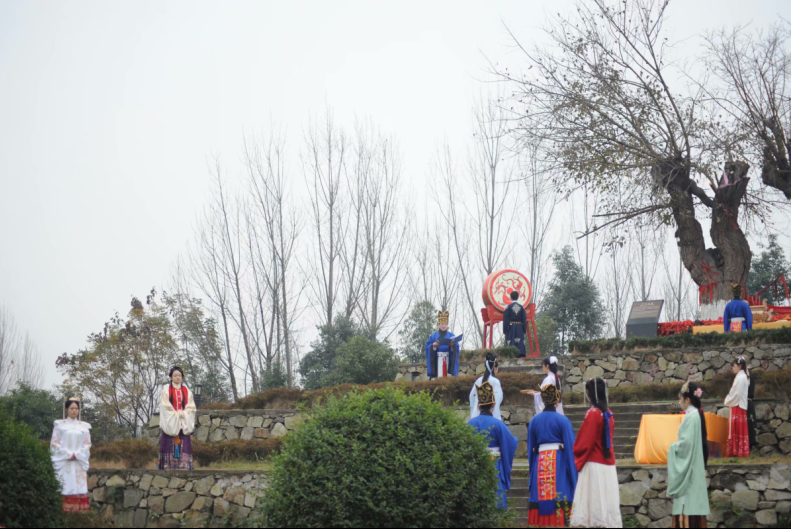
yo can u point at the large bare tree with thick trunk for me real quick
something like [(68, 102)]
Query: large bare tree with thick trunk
[(601, 99)]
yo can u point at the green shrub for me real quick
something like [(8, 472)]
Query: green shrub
[(35, 407), (237, 450), (133, 453), (382, 458), (29, 490), (448, 391), (679, 341)]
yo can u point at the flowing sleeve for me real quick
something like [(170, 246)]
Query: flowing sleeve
[(84, 454), (508, 443), (748, 316), (428, 355), (568, 452), (506, 320), (586, 438), (738, 389), (188, 417), (532, 451), (524, 320), (680, 457), (58, 452), (538, 403), (726, 318), (168, 418), (498, 393), (474, 401), (456, 346)]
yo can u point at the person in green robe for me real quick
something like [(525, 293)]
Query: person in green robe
[(686, 463)]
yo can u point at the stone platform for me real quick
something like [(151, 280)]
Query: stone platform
[(419, 372)]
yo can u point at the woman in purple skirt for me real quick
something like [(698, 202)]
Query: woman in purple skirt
[(177, 421)]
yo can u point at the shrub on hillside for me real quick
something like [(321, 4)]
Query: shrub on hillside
[(237, 450), (35, 407), (133, 453), (383, 458), (29, 490), (448, 391), (679, 341)]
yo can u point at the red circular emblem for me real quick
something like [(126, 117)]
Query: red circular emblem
[(498, 287)]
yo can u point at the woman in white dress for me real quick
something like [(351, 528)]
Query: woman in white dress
[(491, 377), (71, 450), (550, 367)]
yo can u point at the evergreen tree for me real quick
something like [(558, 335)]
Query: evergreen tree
[(766, 268), (422, 321), (572, 303), (320, 360)]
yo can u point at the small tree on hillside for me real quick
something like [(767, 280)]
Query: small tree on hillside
[(35, 407), (766, 268), (422, 321), (320, 360), (573, 302), (363, 361)]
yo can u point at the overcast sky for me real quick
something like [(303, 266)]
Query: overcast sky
[(109, 111)]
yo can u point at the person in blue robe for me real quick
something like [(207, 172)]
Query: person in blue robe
[(442, 350), (515, 324), (553, 469), (738, 309), (502, 443)]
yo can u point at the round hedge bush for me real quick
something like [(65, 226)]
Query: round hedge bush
[(29, 490), (383, 458)]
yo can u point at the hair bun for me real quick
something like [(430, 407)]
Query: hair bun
[(553, 360)]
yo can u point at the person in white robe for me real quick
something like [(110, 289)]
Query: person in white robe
[(550, 367), (491, 377), (71, 451), (177, 420)]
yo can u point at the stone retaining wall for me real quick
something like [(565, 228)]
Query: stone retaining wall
[(671, 366), (225, 425), (772, 426), (154, 498), (419, 372), (740, 496)]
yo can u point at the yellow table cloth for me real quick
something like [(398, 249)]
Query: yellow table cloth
[(658, 432), (707, 329)]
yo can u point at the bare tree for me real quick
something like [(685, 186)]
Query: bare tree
[(323, 167), (647, 244), (20, 359), (616, 291), (600, 97)]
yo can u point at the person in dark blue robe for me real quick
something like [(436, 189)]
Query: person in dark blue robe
[(738, 309), (502, 443), (553, 469), (515, 325), (442, 350)]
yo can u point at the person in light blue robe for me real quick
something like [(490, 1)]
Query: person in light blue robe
[(553, 469), (502, 443), (442, 350), (738, 309)]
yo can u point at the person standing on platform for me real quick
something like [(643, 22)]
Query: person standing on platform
[(686, 463), (442, 350), (553, 471), (737, 401), (502, 443), (737, 309), (491, 377), (177, 421), (550, 367), (71, 452), (515, 324), (597, 496)]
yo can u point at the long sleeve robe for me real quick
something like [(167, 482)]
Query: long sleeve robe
[(588, 444), (550, 427), (71, 438), (171, 421), (686, 469), (538, 402), (499, 437), (515, 326), (738, 309), (453, 357), (737, 397), (498, 397)]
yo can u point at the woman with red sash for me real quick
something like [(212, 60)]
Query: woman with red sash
[(177, 421)]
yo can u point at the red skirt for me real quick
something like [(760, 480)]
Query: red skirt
[(739, 438), (76, 503), (553, 520)]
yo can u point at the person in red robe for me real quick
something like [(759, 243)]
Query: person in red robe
[(597, 496)]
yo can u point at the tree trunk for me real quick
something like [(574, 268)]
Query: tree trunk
[(776, 171), (712, 269)]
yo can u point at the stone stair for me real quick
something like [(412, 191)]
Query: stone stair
[(519, 496)]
